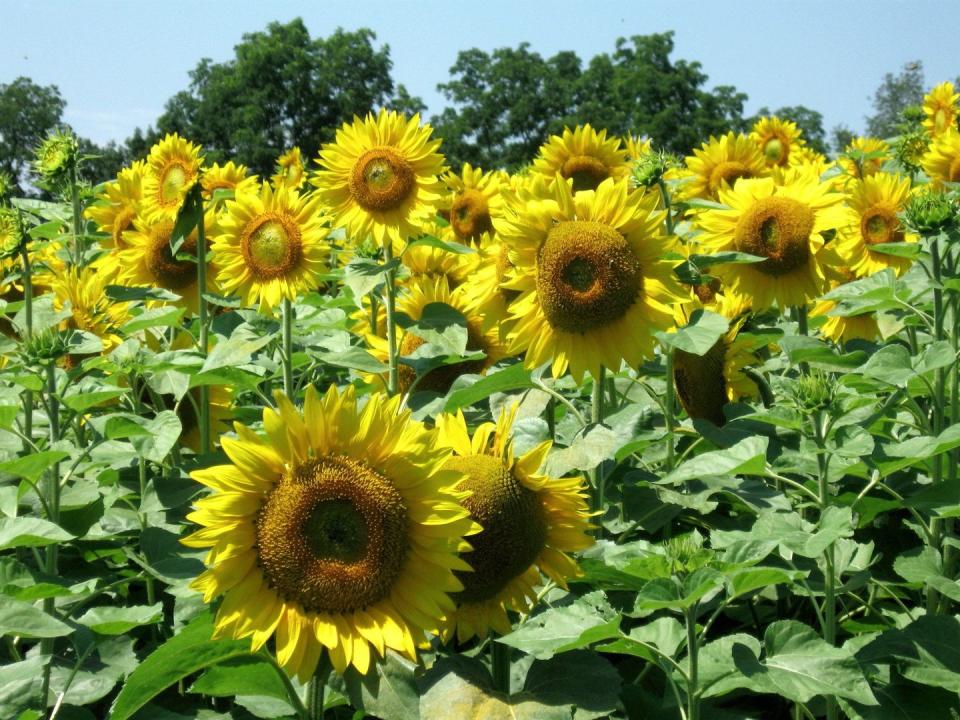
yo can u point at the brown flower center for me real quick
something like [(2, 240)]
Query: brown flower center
[(166, 270), (777, 228), (879, 225), (333, 535), (776, 151), (382, 180), (587, 276), (586, 172), (470, 215), (440, 379), (728, 172), (271, 246)]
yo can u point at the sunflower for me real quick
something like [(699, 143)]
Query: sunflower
[(473, 203), (705, 383), (83, 291), (226, 177), (722, 161), (339, 530), (776, 139), (421, 293), (173, 166), (842, 329), (530, 522), (484, 292), (270, 246), (942, 160), (940, 109), (864, 157), (380, 177), (583, 156), (588, 266), (290, 171), (433, 262), (636, 147), (876, 202), (147, 259), (782, 223), (119, 203)]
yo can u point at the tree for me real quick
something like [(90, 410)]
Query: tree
[(895, 94), (27, 113), (504, 105), (282, 89), (809, 121), (841, 137)]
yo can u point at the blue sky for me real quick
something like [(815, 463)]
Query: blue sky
[(116, 63)]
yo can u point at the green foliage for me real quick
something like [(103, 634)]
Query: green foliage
[(895, 94), (27, 113)]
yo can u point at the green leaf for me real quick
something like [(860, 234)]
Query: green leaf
[(236, 350), (162, 433), (747, 457), (927, 651), (443, 327), (107, 620), (791, 531), (906, 453), (450, 247), (85, 399), (389, 691), (34, 465), (746, 580), (584, 684), (559, 629), (26, 620), (30, 532), (121, 293), (241, 676), (698, 335), (664, 633), (152, 318), (20, 688), (596, 444), (801, 348), (905, 701), (799, 665), (724, 258), (514, 377), (356, 358), (673, 594), (718, 674), (187, 652), (363, 276), (890, 364)]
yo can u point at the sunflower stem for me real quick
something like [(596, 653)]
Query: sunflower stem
[(27, 278), (665, 195), (936, 524), (693, 657), (51, 559), (75, 207), (829, 576), (389, 304), (597, 477), (287, 340), (317, 688), (500, 665), (204, 414), (669, 404), (303, 713)]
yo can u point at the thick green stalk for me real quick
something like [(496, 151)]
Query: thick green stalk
[(317, 688), (693, 656), (75, 205), (287, 341), (500, 666), (53, 505), (939, 402), (829, 575), (389, 304), (204, 414), (669, 404), (598, 480), (27, 278)]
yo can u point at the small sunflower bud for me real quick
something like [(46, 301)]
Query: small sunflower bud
[(649, 169), (11, 234), (813, 392), (930, 213), (55, 158)]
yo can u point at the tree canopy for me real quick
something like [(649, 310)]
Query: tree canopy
[(283, 88), (27, 113), (504, 104)]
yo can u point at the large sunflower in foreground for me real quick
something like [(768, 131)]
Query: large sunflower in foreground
[(583, 156), (173, 166), (339, 530), (876, 202), (271, 246), (720, 161), (530, 522), (942, 160), (593, 286), (783, 224), (940, 109), (380, 177), (776, 139)]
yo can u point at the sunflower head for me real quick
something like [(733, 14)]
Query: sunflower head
[(876, 203), (864, 157), (119, 204), (940, 109), (290, 172), (56, 157), (380, 176), (723, 161), (583, 156), (338, 530), (230, 176), (173, 166), (942, 160), (530, 522), (473, 202), (12, 237), (776, 139)]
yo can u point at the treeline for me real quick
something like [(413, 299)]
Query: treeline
[(284, 88)]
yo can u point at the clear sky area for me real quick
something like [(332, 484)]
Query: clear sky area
[(116, 63)]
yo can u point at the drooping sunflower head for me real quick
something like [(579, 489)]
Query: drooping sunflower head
[(428, 261), (419, 294), (473, 202), (380, 177), (84, 293), (776, 139), (583, 156), (119, 203), (782, 223), (339, 530), (864, 157), (173, 166), (270, 246), (940, 109), (530, 523), (290, 171), (942, 160), (876, 202), (230, 176), (588, 266), (842, 329), (722, 161)]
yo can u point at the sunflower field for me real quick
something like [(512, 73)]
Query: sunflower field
[(619, 435)]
